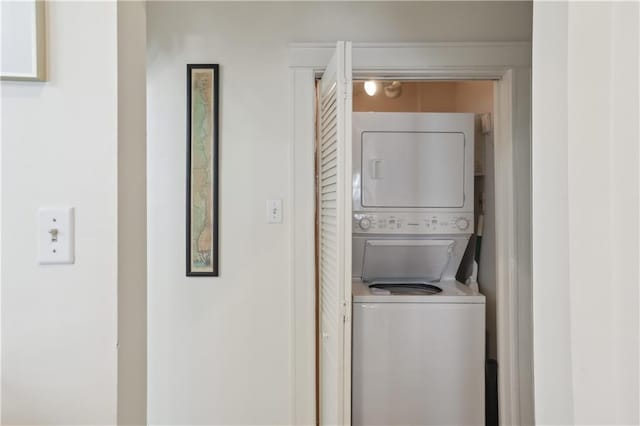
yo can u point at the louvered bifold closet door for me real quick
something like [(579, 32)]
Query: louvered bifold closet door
[(334, 203)]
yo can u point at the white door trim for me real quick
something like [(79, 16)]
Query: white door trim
[(510, 64), (302, 255)]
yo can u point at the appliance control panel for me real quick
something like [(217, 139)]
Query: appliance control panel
[(412, 223)]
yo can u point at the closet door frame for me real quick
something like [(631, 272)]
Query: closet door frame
[(509, 64)]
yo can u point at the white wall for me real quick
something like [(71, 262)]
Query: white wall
[(60, 358), (585, 212), (220, 348), (59, 332)]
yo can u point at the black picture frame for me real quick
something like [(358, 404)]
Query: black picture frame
[(201, 141)]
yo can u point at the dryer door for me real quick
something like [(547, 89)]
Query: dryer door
[(413, 169)]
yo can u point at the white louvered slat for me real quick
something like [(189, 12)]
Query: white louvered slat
[(328, 188), (334, 233), (329, 155)]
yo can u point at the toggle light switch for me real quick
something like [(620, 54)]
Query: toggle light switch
[(274, 211), (55, 235)]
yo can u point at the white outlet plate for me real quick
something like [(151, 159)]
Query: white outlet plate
[(274, 211), (56, 235)]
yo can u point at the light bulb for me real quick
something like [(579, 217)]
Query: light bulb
[(370, 87)]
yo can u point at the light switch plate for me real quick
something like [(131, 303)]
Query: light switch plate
[(274, 211), (56, 235)]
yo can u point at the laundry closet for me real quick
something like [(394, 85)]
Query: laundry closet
[(423, 333)]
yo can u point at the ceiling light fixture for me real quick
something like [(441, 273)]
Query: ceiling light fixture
[(370, 87), (393, 90)]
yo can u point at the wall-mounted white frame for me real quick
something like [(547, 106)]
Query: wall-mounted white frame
[(510, 65), (23, 35)]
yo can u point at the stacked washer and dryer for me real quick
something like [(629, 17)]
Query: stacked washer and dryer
[(418, 334)]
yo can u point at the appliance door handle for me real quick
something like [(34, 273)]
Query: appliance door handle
[(376, 169)]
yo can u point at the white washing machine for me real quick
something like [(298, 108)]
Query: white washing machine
[(418, 335), (418, 357)]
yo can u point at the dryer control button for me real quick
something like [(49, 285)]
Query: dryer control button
[(462, 224), (364, 223)]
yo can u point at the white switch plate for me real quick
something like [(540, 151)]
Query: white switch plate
[(274, 211), (55, 235)]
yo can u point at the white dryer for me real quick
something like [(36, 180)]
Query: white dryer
[(418, 335)]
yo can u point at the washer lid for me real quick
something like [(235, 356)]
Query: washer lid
[(396, 260)]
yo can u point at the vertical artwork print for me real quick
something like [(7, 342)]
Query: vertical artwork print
[(23, 40), (202, 170)]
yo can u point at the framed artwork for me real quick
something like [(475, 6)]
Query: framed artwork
[(202, 170), (23, 38)]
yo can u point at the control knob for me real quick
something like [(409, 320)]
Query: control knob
[(364, 223), (462, 224)]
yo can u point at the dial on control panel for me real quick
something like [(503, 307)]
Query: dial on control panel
[(462, 224), (364, 223)]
